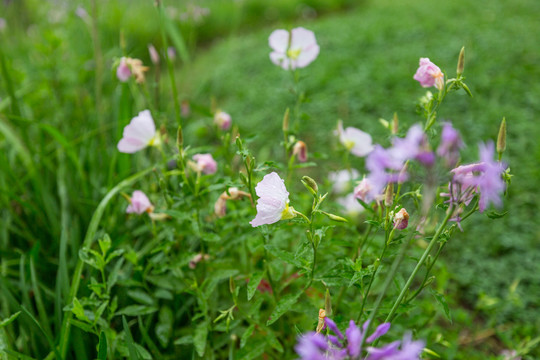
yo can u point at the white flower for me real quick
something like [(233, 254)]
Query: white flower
[(342, 179), (295, 50), (140, 133), (273, 202), (355, 140)]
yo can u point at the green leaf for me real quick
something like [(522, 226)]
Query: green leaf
[(273, 341), (133, 354), (199, 339), (137, 310), (442, 301), (495, 215), (102, 347), (82, 325), (253, 283), (141, 297), (246, 335), (78, 310), (283, 306), (164, 326), (184, 340), (9, 320), (104, 244), (283, 255)]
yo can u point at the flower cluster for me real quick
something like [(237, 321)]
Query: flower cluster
[(315, 346)]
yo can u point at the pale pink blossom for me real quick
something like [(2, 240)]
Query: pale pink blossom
[(123, 71), (222, 120), (296, 49), (140, 133), (429, 74), (273, 202), (139, 203), (362, 190), (205, 163), (355, 140)]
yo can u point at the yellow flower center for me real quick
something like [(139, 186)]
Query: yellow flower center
[(155, 141), (293, 54), (287, 213), (349, 144)]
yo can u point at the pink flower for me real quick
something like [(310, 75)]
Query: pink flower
[(139, 203), (140, 133), (205, 163), (429, 74), (273, 202), (222, 120), (355, 140), (401, 219), (295, 50), (123, 72)]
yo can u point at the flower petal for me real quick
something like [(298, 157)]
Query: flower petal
[(279, 40)]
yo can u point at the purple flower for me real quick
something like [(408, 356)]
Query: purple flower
[(139, 203), (295, 50), (312, 346), (205, 163), (123, 71), (332, 326), (354, 339), (490, 183), (450, 145), (410, 350), (429, 74), (273, 203)]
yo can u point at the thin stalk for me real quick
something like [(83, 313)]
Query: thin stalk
[(420, 263)]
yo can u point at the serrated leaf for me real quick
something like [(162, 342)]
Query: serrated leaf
[(9, 320), (254, 283), (246, 335), (137, 310), (199, 339), (283, 255), (442, 301), (283, 306)]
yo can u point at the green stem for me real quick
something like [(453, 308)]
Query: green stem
[(420, 263)]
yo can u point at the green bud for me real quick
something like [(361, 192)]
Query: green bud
[(389, 195), (179, 139), (395, 124), (501, 139), (286, 121), (327, 303), (232, 285), (335, 217), (461, 62), (310, 184)]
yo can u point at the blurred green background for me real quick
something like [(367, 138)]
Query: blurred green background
[(58, 154)]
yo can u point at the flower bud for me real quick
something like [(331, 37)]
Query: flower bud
[(501, 139), (389, 195), (461, 62), (327, 303), (310, 184), (401, 219), (334, 217), (179, 139), (154, 56), (395, 124), (286, 121), (300, 150), (171, 53), (222, 120)]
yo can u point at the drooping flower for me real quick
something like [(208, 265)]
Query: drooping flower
[(300, 151), (140, 133), (401, 219), (222, 120), (139, 203), (450, 145), (355, 140), (273, 202), (429, 74), (296, 49), (220, 207), (128, 67), (205, 163)]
